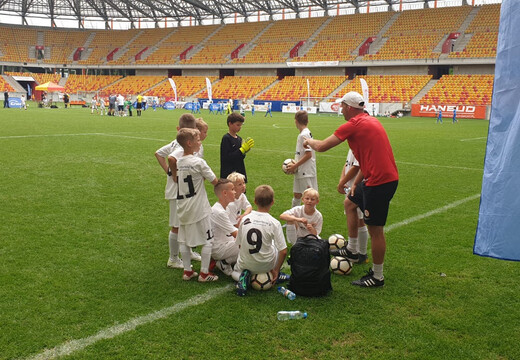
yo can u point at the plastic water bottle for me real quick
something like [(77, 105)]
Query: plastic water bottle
[(287, 293), (347, 190), (290, 315)]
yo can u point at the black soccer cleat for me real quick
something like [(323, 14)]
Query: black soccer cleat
[(369, 280), (346, 253)]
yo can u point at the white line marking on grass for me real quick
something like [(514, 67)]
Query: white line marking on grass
[(45, 135), (473, 139), (72, 346), (430, 213), (439, 166)]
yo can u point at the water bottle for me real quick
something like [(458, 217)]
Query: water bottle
[(287, 293), (289, 315), (347, 190)]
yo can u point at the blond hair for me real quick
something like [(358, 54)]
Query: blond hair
[(186, 134), (311, 192), (201, 124), (236, 176)]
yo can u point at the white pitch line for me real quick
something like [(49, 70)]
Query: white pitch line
[(473, 139), (72, 346), (430, 213), (45, 135), (440, 166)]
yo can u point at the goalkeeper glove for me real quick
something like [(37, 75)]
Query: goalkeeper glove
[(247, 145)]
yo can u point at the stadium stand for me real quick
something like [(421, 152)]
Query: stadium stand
[(294, 88), (40, 78), (388, 88), (89, 83), (106, 41), (186, 86), (416, 33), (61, 44), (16, 44), (239, 87), (133, 85), (461, 89), (5, 86)]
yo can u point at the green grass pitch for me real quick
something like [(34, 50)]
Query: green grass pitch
[(83, 248)]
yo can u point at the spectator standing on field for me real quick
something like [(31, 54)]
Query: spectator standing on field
[(376, 183), (6, 99)]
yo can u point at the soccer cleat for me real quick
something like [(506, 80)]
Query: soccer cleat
[(346, 253), (243, 282), (207, 277), (369, 280), (175, 264), (188, 275), (283, 277), (362, 259), (223, 266), (195, 256)]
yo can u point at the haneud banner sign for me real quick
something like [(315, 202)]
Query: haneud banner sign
[(463, 111)]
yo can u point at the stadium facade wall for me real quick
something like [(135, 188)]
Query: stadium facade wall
[(481, 69), (326, 71), (151, 72), (398, 70), (200, 72), (255, 72)]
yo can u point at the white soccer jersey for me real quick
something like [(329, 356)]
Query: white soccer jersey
[(351, 161), (316, 219), (308, 168), (260, 237), (235, 208), (192, 199), (221, 225), (170, 191)]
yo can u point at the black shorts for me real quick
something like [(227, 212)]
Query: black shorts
[(120, 107), (374, 201), (138, 105)]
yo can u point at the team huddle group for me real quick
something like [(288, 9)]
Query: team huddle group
[(240, 241)]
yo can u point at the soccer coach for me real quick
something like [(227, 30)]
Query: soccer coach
[(375, 184)]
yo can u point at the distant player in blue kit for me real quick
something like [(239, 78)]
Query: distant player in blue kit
[(455, 116), (439, 117), (253, 109), (154, 104), (268, 110)]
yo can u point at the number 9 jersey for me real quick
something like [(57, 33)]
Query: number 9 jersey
[(260, 237)]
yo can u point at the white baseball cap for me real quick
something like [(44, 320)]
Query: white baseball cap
[(353, 99)]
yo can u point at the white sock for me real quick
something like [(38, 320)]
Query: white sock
[(290, 230), (174, 245), (205, 254), (352, 245), (296, 202), (235, 275), (186, 258), (378, 271), (363, 239)]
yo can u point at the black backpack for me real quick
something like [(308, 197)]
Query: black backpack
[(310, 260)]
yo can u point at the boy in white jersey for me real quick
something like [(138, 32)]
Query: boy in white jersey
[(240, 203), (193, 208), (304, 219), (225, 247), (304, 169), (356, 250), (93, 105), (261, 241), (101, 106), (170, 192)]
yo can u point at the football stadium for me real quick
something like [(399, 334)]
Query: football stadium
[(93, 90)]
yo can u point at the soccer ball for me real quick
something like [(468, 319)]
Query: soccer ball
[(340, 265), (261, 281), (286, 163), (336, 241)]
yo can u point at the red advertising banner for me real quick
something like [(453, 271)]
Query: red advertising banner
[(463, 111)]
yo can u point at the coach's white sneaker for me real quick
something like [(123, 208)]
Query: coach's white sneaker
[(175, 264), (195, 256)]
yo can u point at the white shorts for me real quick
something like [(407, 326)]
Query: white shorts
[(225, 251), (300, 185), (196, 234), (174, 219), (256, 267)]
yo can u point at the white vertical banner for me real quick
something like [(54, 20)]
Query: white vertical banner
[(208, 86), (365, 91), (174, 87), (308, 93)]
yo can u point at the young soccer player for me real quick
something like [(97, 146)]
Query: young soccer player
[(101, 106), (225, 247), (203, 127), (232, 149), (170, 192), (24, 104), (269, 105), (240, 202), (193, 208), (304, 169), (304, 219), (356, 250), (93, 105), (128, 105), (261, 241)]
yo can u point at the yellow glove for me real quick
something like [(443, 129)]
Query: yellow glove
[(247, 145)]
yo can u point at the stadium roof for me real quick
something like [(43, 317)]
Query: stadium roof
[(198, 11)]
